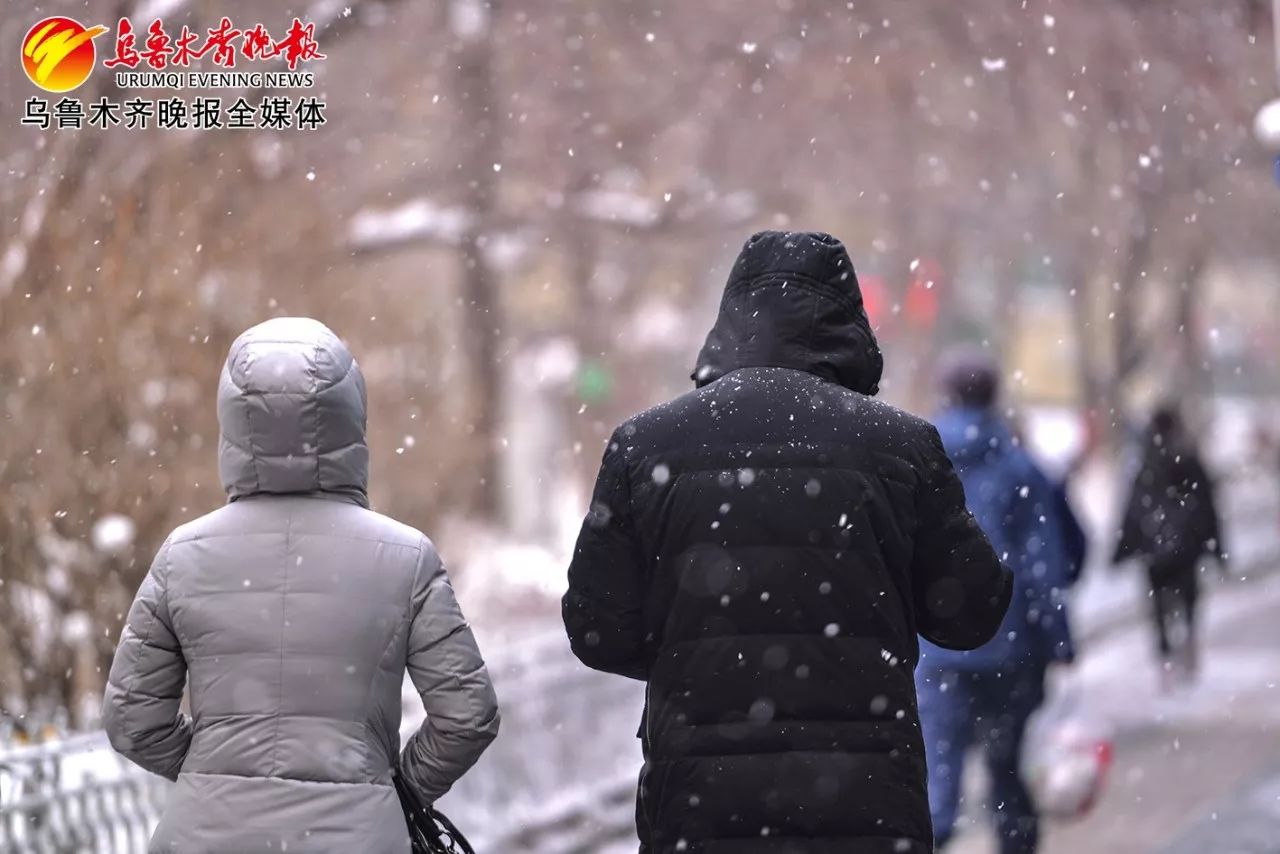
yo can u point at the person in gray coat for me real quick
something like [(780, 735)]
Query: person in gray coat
[(294, 611)]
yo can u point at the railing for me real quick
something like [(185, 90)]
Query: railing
[(76, 796), (562, 775), (560, 779)]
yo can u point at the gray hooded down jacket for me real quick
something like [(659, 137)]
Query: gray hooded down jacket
[(294, 611)]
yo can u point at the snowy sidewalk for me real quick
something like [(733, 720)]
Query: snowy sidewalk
[(1197, 770)]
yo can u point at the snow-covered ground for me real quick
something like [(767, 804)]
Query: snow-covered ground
[(1186, 758), (1240, 682)]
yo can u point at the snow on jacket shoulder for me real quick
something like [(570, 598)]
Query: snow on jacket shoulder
[(294, 612)]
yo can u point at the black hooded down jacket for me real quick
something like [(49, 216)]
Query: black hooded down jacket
[(763, 551)]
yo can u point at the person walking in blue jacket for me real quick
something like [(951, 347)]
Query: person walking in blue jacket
[(985, 696)]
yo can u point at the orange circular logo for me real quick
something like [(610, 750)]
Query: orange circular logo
[(58, 53)]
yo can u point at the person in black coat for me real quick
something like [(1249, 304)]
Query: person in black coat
[(762, 551), (1171, 523)]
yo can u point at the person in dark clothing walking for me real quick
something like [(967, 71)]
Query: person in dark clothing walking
[(762, 551), (1171, 523), (987, 695)]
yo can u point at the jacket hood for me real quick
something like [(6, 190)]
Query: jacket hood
[(793, 301), (291, 413), (973, 436)]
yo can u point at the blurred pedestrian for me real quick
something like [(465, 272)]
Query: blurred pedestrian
[(985, 696), (762, 552), (293, 612), (1171, 524)]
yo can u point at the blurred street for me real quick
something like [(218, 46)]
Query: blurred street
[(1197, 770)]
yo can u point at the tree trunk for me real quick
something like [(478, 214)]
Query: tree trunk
[(471, 21), (1129, 351), (1195, 371), (1096, 395)]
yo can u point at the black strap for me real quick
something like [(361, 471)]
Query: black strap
[(430, 831)]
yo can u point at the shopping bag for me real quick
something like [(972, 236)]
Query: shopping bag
[(1067, 754), (430, 832)]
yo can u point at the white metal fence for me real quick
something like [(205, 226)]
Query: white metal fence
[(559, 780), (561, 776), (75, 796)]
